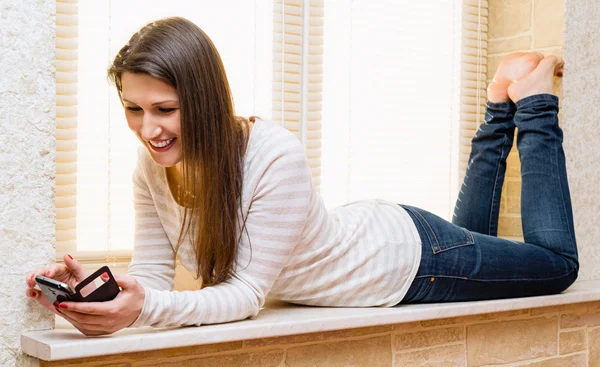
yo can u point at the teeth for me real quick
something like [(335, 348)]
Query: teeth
[(162, 144)]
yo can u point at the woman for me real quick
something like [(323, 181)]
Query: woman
[(234, 199)]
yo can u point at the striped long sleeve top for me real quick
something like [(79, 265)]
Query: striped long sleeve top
[(361, 254)]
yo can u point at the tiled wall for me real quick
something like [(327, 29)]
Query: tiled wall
[(521, 25), (560, 336)]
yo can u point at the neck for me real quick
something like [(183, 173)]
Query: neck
[(175, 173)]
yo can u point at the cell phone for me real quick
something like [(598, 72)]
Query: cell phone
[(91, 289), (54, 290)]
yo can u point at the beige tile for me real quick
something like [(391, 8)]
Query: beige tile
[(547, 310), (497, 315), (271, 358), (442, 322), (579, 308), (475, 318), (520, 43), (503, 202), (317, 337), (408, 326), (428, 338), (510, 226), (448, 356), (513, 205), (364, 352), (513, 162), (594, 347), (493, 63), (577, 360), (513, 188), (73, 363), (593, 306), (572, 320), (549, 21), (572, 341), (508, 18), (149, 356), (511, 341)]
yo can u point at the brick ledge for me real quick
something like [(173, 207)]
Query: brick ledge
[(277, 319)]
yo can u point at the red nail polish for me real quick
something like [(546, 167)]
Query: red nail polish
[(70, 257), (62, 305)]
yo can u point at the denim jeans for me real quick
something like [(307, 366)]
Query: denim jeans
[(464, 260)]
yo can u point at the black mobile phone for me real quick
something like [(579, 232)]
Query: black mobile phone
[(94, 288), (54, 290)]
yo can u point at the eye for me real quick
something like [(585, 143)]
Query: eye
[(134, 109), (166, 110)]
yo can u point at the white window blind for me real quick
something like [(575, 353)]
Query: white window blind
[(473, 75), (393, 96), (298, 73), (66, 123)]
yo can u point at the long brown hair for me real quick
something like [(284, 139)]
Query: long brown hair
[(213, 139)]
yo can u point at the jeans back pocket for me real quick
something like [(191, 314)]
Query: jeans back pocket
[(438, 232)]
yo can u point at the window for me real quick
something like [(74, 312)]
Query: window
[(384, 94), (396, 75)]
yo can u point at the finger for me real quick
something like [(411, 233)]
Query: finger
[(75, 267), (31, 278), (90, 308), (86, 319), (86, 329), (32, 293), (55, 269)]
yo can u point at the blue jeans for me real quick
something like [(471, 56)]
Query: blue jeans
[(464, 260)]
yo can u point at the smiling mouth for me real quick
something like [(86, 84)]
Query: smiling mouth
[(163, 145)]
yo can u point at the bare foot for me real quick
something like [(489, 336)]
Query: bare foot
[(538, 81), (512, 67)]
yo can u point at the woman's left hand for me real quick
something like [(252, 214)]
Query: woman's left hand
[(102, 318)]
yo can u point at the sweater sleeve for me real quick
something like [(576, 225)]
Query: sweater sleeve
[(275, 221), (153, 259)]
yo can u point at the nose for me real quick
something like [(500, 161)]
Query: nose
[(149, 129)]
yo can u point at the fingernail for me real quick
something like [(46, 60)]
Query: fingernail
[(70, 257), (62, 305), (104, 276), (47, 273)]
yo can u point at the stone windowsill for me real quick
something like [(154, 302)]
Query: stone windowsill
[(276, 319)]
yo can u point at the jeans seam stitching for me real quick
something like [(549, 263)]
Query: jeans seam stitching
[(540, 97), (494, 280), (422, 219), (573, 242), (469, 242), (522, 279), (495, 185)]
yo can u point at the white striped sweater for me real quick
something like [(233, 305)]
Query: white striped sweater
[(358, 255)]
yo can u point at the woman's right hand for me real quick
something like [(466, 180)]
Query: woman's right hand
[(70, 273)]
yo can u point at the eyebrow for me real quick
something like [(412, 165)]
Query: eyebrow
[(155, 103)]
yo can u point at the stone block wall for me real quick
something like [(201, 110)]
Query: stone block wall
[(559, 336), (521, 25)]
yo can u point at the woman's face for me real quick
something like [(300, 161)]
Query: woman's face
[(152, 113)]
